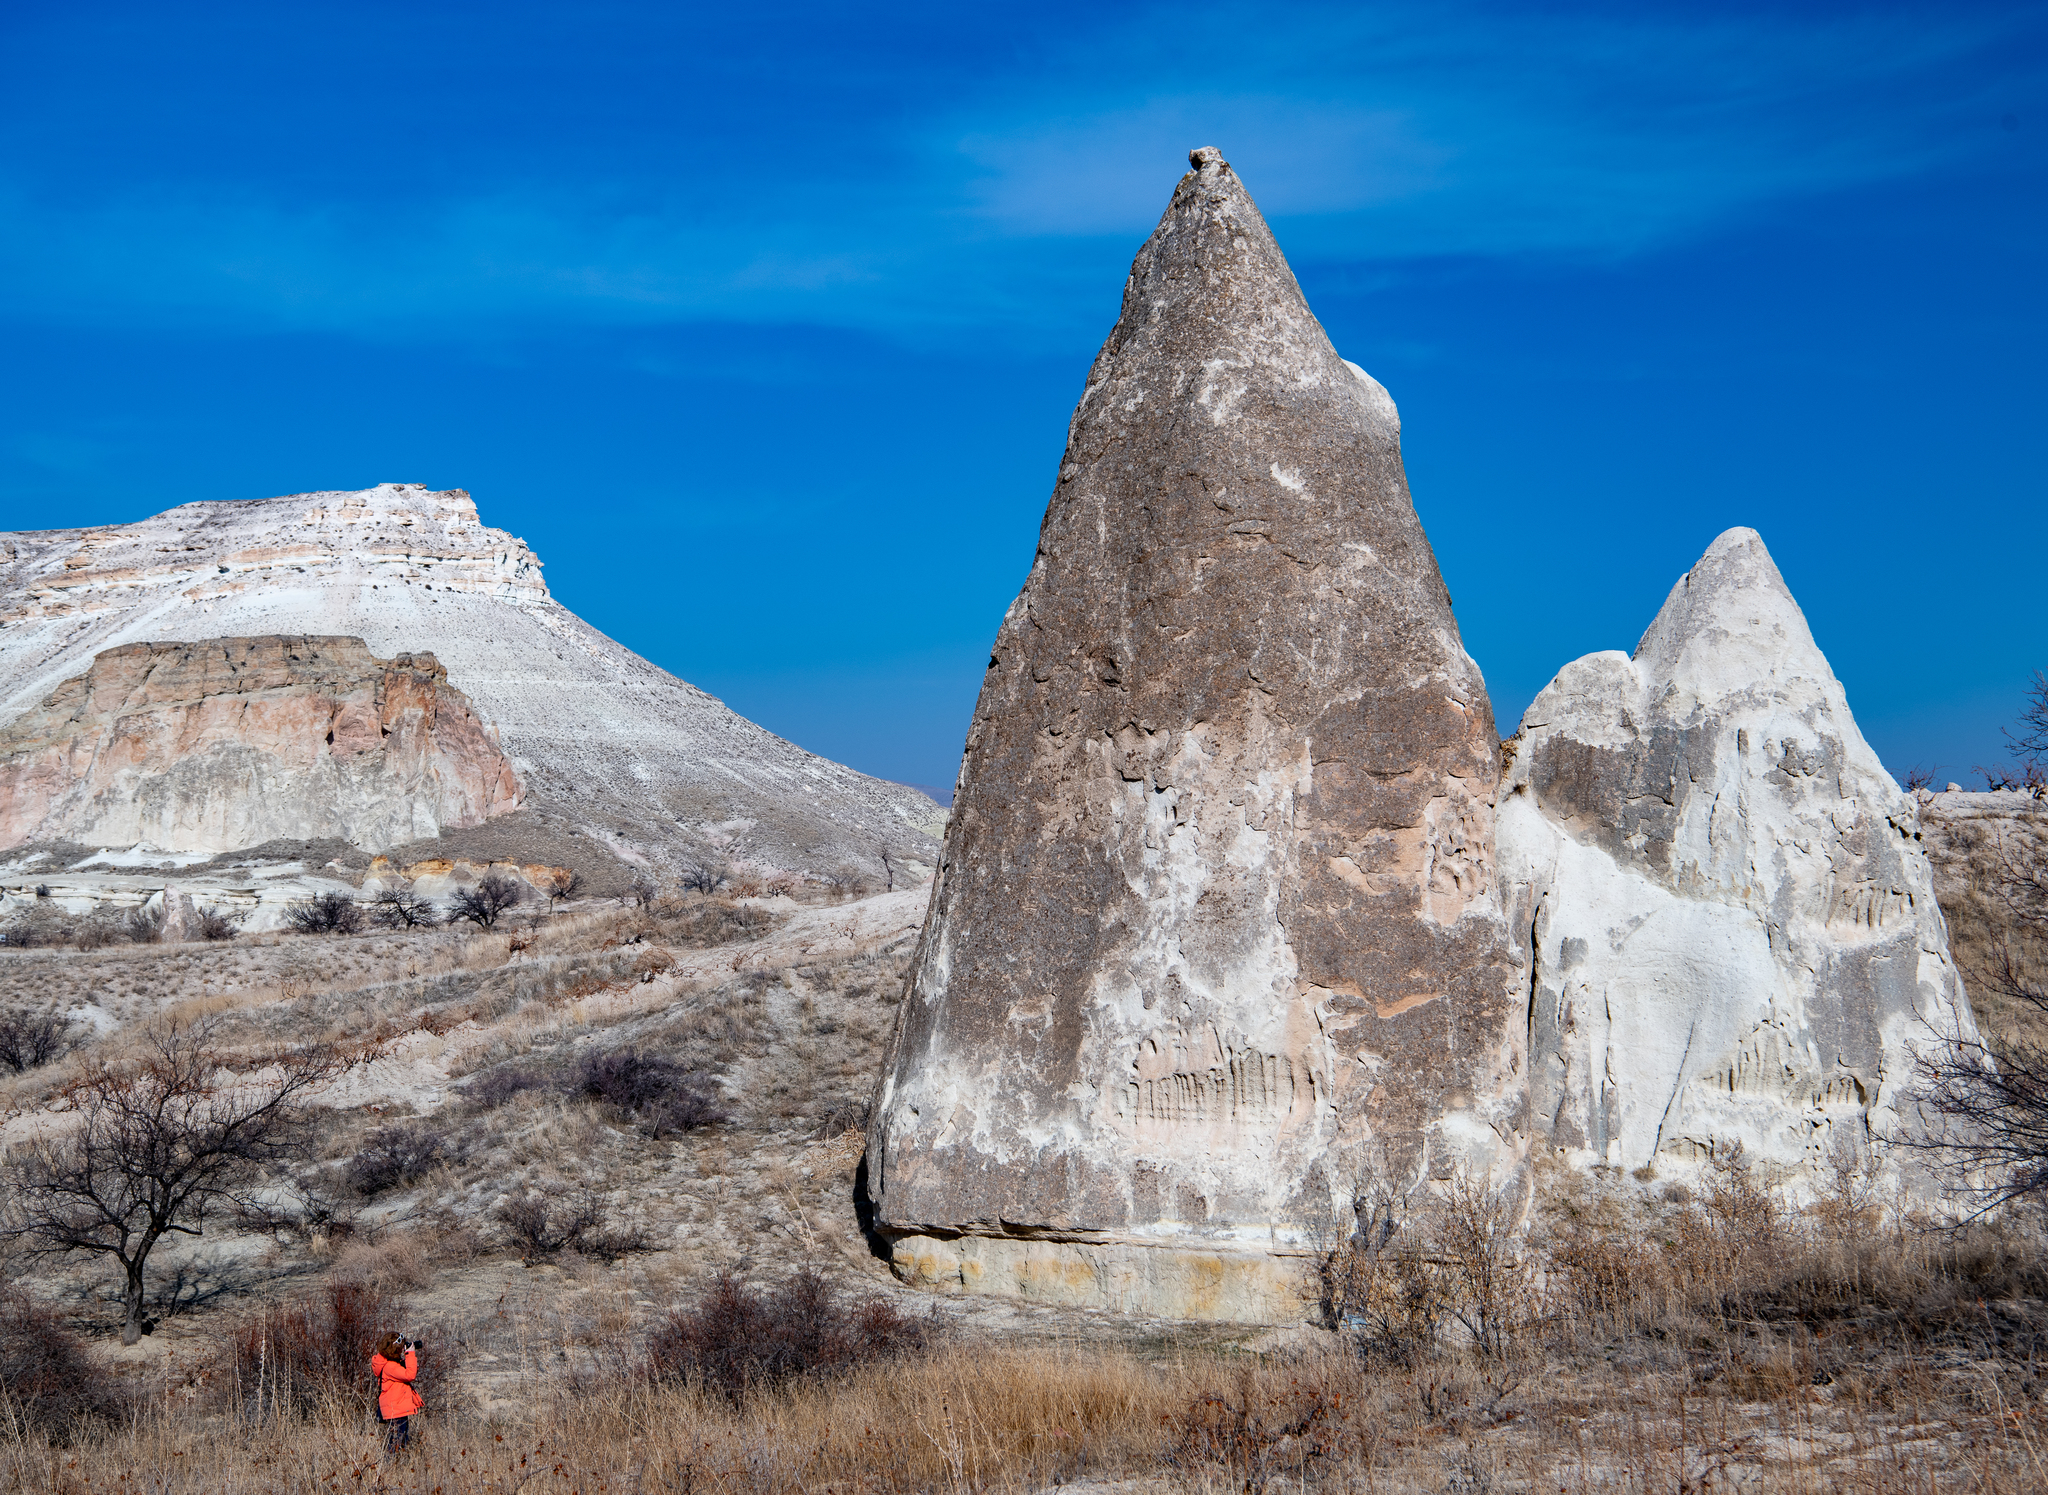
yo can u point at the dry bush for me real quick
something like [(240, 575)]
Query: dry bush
[(700, 922), (737, 1340), (1295, 1428), (542, 1225), (483, 905), (661, 1094), (48, 1382), (492, 1088), (1456, 1258), (325, 913), (297, 1358), (394, 1155), (705, 876), (29, 1040), (399, 1262)]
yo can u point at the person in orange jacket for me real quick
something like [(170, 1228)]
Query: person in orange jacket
[(395, 1365)]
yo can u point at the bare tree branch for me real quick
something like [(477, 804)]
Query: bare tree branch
[(160, 1142)]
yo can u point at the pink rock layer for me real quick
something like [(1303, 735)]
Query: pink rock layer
[(225, 743)]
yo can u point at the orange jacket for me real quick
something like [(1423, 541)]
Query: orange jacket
[(397, 1398)]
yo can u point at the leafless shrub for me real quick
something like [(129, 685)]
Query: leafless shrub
[(48, 1383), (543, 1225), (1455, 1258), (2029, 738), (394, 1155), (399, 907), (484, 904), (661, 1094), (494, 1087), (704, 876), (1487, 1278), (215, 926), (29, 1040), (296, 1359), (144, 925), (563, 883), (641, 891), (848, 882), (1264, 1430), (736, 1340), (159, 1142), (325, 913)]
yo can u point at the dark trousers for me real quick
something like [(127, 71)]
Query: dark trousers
[(397, 1433)]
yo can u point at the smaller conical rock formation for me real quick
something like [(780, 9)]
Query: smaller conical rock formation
[(1729, 921)]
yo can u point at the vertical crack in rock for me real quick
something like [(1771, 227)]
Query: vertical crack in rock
[(1216, 927), (1744, 883)]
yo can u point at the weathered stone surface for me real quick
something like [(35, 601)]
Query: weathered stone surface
[(1722, 895), (227, 743), (1216, 924)]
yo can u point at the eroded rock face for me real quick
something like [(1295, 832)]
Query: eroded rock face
[(1722, 895), (1216, 925), (227, 743)]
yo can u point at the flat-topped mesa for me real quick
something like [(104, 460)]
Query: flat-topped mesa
[(1722, 893), (1216, 928), (227, 743), (600, 738)]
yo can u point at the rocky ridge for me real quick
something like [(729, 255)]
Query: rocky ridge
[(595, 733)]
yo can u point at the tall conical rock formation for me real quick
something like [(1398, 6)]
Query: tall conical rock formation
[(1720, 893), (1216, 925)]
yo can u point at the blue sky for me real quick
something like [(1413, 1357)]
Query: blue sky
[(763, 326)]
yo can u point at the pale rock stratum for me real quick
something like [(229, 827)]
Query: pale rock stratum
[(1722, 898), (233, 742), (596, 734), (1215, 926)]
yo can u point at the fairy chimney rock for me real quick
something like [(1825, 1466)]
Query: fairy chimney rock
[(1216, 929), (1721, 895)]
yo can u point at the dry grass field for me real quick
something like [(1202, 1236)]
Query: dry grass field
[(553, 1144)]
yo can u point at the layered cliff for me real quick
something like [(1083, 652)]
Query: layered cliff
[(595, 733), (227, 743)]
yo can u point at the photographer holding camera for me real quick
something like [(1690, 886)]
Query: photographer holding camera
[(396, 1365)]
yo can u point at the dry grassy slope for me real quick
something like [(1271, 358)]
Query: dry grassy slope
[(1977, 843), (599, 734), (786, 1005), (1907, 1382)]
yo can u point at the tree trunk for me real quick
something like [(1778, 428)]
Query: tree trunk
[(131, 1327)]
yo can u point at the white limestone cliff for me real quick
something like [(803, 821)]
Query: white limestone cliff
[(596, 733), (1728, 920)]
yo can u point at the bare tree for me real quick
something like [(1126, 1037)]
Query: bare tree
[(483, 904), (160, 1141), (401, 908), (2029, 737), (563, 884), (641, 891)]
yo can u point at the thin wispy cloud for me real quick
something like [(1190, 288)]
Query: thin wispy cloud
[(1399, 133)]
